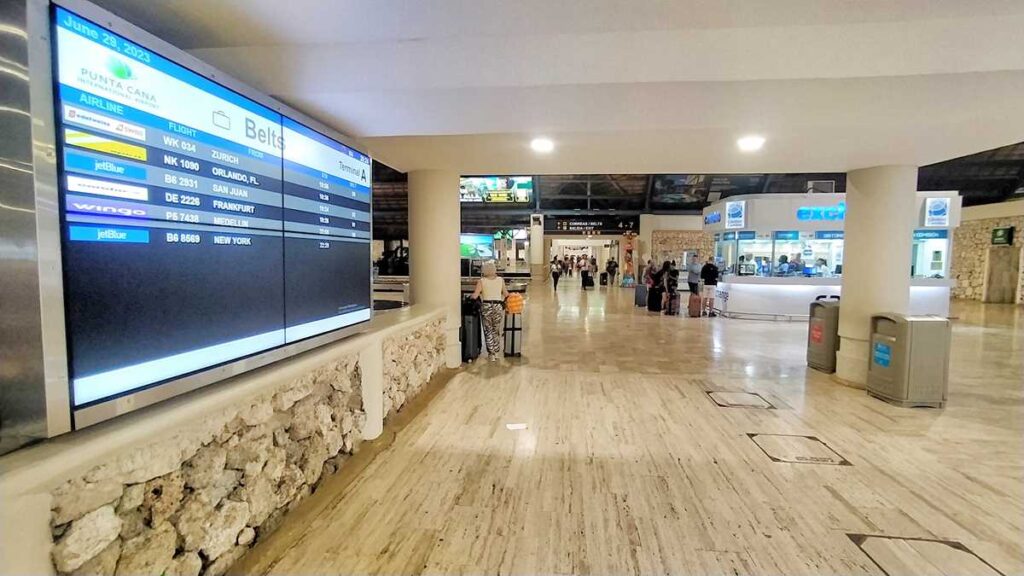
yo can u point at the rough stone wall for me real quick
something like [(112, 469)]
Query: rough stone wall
[(410, 359), (194, 503), (971, 242), (670, 244)]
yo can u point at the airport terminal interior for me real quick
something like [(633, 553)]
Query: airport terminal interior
[(607, 287)]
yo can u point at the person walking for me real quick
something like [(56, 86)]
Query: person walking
[(491, 291), (612, 268), (693, 274), (709, 274), (584, 272), (556, 272)]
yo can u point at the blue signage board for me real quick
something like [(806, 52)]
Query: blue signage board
[(829, 235), (936, 212), (746, 235), (930, 234), (713, 217), (729, 236), (718, 237), (786, 235), (827, 213), (736, 214), (881, 354)]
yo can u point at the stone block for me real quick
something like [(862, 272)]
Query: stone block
[(75, 498), (148, 553), (86, 538)]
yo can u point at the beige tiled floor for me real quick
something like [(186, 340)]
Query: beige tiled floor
[(626, 466)]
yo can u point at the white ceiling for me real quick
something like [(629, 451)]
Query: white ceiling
[(627, 85)]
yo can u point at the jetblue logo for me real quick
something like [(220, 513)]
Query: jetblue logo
[(830, 213), (108, 166)]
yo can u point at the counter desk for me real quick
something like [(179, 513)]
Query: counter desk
[(789, 297)]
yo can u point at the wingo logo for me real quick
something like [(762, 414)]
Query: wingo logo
[(100, 209)]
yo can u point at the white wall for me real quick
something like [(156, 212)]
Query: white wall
[(651, 222)]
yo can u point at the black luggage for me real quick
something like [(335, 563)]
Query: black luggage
[(588, 281), (471, 331), (604, 278), (673, 305), (654, 300), (513, 334), (640, 296)]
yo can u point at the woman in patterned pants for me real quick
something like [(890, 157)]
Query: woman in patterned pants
[(492, 292)]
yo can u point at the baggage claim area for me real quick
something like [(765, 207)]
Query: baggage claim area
[(605, 298)]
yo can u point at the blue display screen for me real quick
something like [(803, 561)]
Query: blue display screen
[(199, 226)]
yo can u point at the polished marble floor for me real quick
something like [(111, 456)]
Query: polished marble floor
[(629, 443)]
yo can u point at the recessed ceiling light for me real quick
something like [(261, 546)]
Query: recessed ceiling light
[(542, 145), (750, 143)]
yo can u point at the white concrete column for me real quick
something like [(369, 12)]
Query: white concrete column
[(434, 225), (881, 213), (537, 256)]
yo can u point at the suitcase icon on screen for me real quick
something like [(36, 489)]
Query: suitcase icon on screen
[(221, 120)]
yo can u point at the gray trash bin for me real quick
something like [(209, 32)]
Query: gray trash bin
[(823, 334), (909, 359)]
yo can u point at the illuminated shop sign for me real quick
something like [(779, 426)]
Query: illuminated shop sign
[(713, 217), (786, 235), (829, 213), (930, 234), (729, 236), (828, 235), (746, 235), (736, 214), (936, 212)]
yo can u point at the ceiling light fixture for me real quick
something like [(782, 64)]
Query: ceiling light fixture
[(750, 143), (542, 145)]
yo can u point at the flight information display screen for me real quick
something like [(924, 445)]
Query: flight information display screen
[(198, 226)]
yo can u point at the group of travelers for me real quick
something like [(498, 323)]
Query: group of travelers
[(585, 267), (663, 284)]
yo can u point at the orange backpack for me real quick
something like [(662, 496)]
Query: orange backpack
[(514, 303)]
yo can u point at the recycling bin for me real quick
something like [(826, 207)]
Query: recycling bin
[(908, 361), (823, 334)]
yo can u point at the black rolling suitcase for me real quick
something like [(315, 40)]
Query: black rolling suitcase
[(513, 334), (673, 305), (654, 300), (588, 281), (640, 295), (604, 278), (471, 331)]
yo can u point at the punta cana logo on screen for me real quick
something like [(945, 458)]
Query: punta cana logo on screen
[(117, 78)]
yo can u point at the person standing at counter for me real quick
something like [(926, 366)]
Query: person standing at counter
[(491, 290), (693, 274), (709, 274)]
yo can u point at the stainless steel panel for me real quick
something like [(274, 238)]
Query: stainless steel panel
[(22, 396)]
